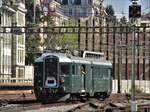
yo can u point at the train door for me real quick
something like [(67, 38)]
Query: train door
[(75, 78), (50, 72), (81, 78)]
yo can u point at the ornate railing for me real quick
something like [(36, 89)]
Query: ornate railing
[(16, 81)]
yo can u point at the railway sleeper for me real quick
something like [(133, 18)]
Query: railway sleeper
[(3, 103)]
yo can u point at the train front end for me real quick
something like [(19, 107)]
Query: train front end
[(47, 80)]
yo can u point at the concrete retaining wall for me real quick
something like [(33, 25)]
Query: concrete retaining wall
[(143, 85), (29, 72)]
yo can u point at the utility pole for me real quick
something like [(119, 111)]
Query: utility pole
[(149, 57), (133, 102), (119, 67), (134, 14)]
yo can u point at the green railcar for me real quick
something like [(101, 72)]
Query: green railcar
[(59, 77)]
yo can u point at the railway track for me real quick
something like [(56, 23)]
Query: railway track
[(115, 103), (94, 105)]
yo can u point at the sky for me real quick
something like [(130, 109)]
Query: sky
[(121, 6)]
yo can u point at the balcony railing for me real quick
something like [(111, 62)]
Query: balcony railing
[(16, 82)]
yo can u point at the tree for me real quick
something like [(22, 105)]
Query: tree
[(51, 40), (32, 41), (110, 14), (123, 20), (110, 10), (30, 7)]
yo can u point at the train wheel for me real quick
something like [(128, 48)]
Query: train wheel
[(87, 97), (103, 96), (84, 98), (69, 99)]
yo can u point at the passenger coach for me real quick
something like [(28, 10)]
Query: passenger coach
[(59, 76)]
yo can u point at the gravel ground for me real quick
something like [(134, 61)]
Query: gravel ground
[(54, 109)]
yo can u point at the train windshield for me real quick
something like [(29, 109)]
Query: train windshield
[(51, 67)]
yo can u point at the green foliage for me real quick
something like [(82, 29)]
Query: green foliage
[(110, 14), (32, 42), (123, 20), (38, 14), (69, 41), (29, 6), (137, 90), (110, 10)]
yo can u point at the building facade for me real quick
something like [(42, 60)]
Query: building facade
[(12, 46), (81, 9), (77, 8)]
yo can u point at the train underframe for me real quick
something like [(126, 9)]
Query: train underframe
[(47, 96)]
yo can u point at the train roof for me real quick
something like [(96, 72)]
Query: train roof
[(72, 59), (62, 57)]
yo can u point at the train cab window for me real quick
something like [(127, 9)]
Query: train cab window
[(65, 69)]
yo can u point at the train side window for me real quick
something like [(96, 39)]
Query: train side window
[(65, 69), (73, 69), (105, 73), (109, 73)]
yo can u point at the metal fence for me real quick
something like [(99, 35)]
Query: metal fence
[(116, 41)]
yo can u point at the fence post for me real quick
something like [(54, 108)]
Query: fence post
[(144, 53), (79, 34), (107, 42), (126, 72), (86, 36), (93, 36), (114, 52)]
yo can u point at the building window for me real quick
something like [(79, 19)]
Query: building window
[(64, 2), (1, 55), (70, 11), (77, 2), (20, 58), (90, 2), (21, 40), (20, 73), (21, 20), (83, 12)]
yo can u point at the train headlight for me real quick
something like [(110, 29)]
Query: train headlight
[(62, 80), (50, 82)]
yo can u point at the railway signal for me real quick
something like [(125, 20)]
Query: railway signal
[(134, 9)]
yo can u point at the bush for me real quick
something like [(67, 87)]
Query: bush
[(137, 90)]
